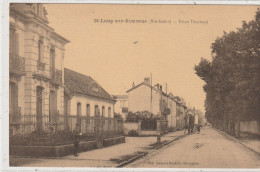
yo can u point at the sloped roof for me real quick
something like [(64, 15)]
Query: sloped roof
[(83, 84), (143, 83), (120, 96)]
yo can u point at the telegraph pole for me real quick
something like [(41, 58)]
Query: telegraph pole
[(160, 134), (151, 105)]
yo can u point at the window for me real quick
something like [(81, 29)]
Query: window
[(88, 110), (40, 50), (52, 57), (103, 111), (78, 109), (109, 112), (96, 110)]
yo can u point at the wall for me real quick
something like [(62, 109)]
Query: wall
[(128, 126), (251, 127), (172, 117), (139, 99)]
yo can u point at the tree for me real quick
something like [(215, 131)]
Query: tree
[(232, 77)]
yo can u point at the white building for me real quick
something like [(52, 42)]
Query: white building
[(84, 97), (36, 62), (121, 106), (144, 97)]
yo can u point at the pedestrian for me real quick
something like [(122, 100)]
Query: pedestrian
[(76, 145), (76, 137), (198, 128)]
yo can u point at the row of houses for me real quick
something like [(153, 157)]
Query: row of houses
[(146, 97), (42, 93)]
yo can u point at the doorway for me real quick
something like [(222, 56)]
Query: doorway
[(39, 108)]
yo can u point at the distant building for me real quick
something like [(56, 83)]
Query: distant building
[(144, 97), (121, 106)]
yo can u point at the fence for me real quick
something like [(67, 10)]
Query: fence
[(93, 125), (88, 125), (148, 124)]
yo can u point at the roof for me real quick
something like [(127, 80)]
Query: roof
[(143, 83), (83, 84), (120, 96)]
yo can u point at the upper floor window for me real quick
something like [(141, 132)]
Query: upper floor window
[(40, 50), (52, 57), (13, 41), (40, 63)]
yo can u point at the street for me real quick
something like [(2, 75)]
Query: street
[(209, 149)]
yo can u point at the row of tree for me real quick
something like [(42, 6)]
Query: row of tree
[(233, 77)]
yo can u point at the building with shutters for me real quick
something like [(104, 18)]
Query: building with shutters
[(36, 64)]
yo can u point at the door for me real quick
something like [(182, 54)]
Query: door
[(53, 107), (13, 101), (39, 108)]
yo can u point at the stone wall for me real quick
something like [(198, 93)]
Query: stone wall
[(128, 126)]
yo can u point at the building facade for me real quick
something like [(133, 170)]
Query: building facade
[(36, 63), (145, 97), (121, 105), (84, 100)]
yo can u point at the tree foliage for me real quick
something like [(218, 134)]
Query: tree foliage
[(232, 76)]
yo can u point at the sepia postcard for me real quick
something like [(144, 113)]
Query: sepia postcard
[(93, 86)]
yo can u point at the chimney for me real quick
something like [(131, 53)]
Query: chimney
[(147, 80)]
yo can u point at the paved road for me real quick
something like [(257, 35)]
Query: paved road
[(209, 149)]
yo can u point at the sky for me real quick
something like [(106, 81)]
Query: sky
[(118, 54)]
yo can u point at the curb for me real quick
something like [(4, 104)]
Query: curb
[(131, 160), (237, 141), (146, 153)]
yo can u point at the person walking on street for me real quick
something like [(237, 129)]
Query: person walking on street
[(76, 136), (76, 145)]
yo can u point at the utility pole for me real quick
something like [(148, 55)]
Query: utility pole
[(160, 134), (151, 105)]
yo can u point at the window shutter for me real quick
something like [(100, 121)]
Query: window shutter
[(16, 47)]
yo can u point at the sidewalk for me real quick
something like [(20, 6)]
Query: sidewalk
[(251, 143), (101, 157)]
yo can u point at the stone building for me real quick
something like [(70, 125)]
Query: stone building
[(36, 63)]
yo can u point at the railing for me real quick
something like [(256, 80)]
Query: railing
[(14, 115), (89, 126), (40, 65), (54, 118), (16, 64), (56, 75), (148, 124)]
